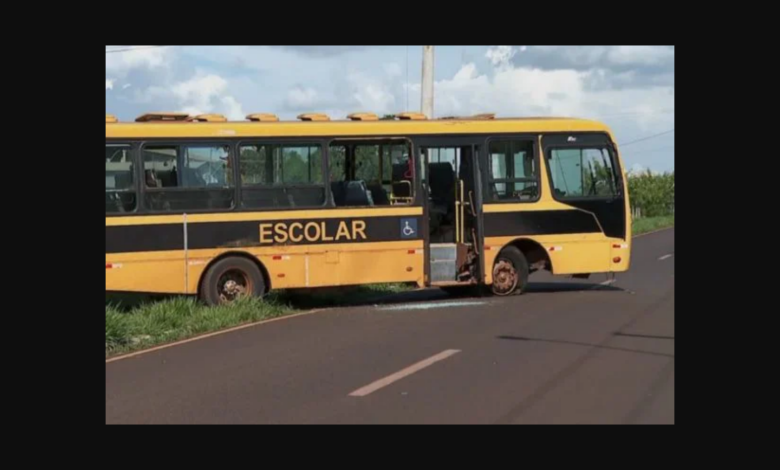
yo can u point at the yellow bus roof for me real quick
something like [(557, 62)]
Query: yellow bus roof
[(315, 125)]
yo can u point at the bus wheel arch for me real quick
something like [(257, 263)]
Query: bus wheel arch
[(514, 263), (534, 253), (231, 275)]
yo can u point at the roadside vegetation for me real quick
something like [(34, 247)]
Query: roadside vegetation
[(135, 322), (652, 201), (651, 224), (139, 324)]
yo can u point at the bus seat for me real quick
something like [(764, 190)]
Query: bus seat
[(350, 193), (338, 192), (357, 194), (442, 185), (442, 182), (379, 194), (400, 174)]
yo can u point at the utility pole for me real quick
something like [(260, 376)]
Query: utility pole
[(427, 82)]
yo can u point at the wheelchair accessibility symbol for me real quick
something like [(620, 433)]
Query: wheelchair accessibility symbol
[(408, 228)]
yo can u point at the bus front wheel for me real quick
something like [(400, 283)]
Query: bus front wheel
[(230, 279), (510, 272)]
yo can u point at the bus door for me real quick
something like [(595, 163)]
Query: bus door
[(451, 188)]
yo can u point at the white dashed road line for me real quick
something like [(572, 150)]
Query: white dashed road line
[(384, 382)]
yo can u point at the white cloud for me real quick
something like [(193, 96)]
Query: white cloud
[(506, 90), (126, 86), (121, 63), (352, 91), (586, 57), (200, 94), (263, 59), (301, 98), (639, 55), (232, 108), (510, 92), (524, 91), (192, 110), (110, 84), (370, 94), (500, 56)]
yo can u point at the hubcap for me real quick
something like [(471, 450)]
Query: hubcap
[(504, 277), (233, 285)]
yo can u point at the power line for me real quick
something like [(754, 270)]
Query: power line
[(637, 113), (647, 138), (407, 78), (132, 49), (655, 149)]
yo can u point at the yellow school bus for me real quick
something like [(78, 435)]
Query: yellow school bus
[(205, 206)]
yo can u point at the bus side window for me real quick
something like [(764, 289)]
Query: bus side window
[(514, 173), (288, 175), (373, 173), (187, 177), (121, 192)]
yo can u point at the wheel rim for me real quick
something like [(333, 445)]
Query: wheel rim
[(233, 284), (505, 277)]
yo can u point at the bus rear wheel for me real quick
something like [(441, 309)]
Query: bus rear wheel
[(230, 279), (510, 272)]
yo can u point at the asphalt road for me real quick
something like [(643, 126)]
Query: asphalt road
[(566, 352)]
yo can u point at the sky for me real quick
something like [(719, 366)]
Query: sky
[(630, 88)]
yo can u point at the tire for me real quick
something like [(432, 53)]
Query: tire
[(216, 287), (510, 269)]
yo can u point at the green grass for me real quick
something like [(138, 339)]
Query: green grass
[(135, 322), (649, 224), (149, 323)]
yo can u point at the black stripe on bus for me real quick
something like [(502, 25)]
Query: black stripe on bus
[(138, 238), (135, 238), (611, 214), (510, 224)]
